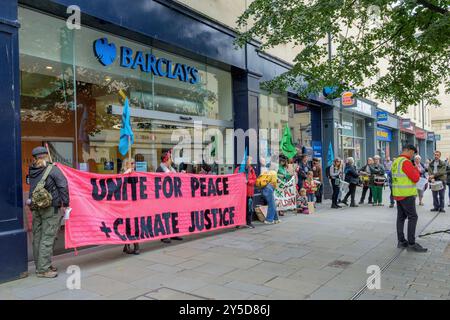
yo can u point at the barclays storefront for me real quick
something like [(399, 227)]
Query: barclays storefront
[(62, 87)]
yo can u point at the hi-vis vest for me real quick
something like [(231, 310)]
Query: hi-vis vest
[(402, 186)]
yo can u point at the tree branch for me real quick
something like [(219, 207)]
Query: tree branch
[(432, 7)]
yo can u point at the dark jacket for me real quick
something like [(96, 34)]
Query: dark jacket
[(448, 174), (441, 174), (56, 184), (351, 176), (376, 170)]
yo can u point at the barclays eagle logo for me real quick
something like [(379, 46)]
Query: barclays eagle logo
[(104, 51)]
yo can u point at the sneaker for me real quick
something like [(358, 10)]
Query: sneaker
[(361, 202), (54, 269), (344, 203), (416, 248), (442, 210), (268, 222), (251, 226), (402, 244), (47, 274), (434, 210), (166, 240), (277, 221)]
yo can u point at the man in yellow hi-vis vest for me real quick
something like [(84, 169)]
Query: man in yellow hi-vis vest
[(404, 178)]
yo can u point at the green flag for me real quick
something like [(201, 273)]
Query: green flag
[(286, 145)]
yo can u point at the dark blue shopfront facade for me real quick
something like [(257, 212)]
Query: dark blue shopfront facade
[(160, 24)]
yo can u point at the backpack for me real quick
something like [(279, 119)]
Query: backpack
[(41, 198), (263, 180)]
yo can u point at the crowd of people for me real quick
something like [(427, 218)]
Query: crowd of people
[(48, 184)]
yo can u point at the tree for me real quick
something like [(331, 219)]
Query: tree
[(412, 36)]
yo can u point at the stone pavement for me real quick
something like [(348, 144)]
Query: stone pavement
[(320, 256)]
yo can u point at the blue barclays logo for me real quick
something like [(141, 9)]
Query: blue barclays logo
[(146, 62), (104, 51)]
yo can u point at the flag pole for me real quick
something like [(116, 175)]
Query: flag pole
[(124, 96)]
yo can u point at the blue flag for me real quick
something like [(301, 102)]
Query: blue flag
[(126, 130), (244, 162), (330, 155)]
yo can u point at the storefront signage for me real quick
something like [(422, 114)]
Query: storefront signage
[(106, 54), (300, 108), (348, 100), (382, 116), (420, 134), (430, 136), (317, 149), (407, 125), (347, 125), (384, 134)]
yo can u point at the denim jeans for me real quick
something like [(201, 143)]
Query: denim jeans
[(439, 199), (310, 197), (268, 194)]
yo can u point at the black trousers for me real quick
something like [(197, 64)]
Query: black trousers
[(319, 193), (406, 209), (363, 195), (250, 210), (439, 199), (334, 196), (351, 193)]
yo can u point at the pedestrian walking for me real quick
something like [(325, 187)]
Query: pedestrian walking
[(48, 193), (166, 167), (365, 178), (250, 178), (438, 179), (423, 174), (352, 178), (129, 166), (404, 178), (377, 180), (335, 180)]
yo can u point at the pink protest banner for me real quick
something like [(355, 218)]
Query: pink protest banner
[(139, 207)]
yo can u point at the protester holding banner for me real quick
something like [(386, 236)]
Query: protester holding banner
[(377, 180), (423, 175), (352, 178), (335, 179), (250, 177), (48, 192), (283, 173), (129, 166), (166, 167), (317, 174)]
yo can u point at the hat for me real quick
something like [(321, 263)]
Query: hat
[(38, 150), (410, 147)]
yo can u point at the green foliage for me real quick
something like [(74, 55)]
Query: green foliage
[(412, 37)]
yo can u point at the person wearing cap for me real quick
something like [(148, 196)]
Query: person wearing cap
[(404, 178), (166, 167), (46, 220)]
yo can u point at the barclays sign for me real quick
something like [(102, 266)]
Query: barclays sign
[(106, 54)]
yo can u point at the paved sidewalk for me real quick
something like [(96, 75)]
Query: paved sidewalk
[(320, 256)]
